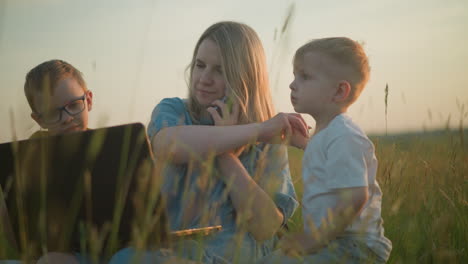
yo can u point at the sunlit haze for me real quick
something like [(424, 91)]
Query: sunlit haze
[(133, 53)]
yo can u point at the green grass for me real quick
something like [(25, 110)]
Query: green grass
[(424, 179)]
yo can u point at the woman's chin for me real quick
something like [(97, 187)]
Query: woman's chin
[(204, 102)]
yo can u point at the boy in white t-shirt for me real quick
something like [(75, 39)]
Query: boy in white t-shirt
[(342, 199)]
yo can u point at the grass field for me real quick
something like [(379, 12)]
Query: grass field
[(424, 179)]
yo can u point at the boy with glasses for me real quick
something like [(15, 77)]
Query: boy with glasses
[(58, 97), (60, 102)]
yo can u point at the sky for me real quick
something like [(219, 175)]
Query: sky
[(133, 53)]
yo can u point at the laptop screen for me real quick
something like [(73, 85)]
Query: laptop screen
[(82, 191)]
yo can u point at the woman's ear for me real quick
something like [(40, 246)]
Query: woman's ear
[(89, 99), (342, 92)]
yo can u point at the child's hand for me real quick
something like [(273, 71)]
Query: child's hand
[(281, 127), (298, 140), (227, 118)]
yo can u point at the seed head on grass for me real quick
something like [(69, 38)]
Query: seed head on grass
[(386, 106)]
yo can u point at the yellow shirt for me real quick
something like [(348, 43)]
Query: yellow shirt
[(39, 134)]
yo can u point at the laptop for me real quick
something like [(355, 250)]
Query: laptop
[(79, 192)]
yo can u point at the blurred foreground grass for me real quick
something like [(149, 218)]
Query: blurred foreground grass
[(424, 178)]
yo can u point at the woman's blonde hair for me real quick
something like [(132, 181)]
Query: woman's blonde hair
[(244, 70)]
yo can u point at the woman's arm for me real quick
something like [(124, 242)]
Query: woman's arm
[(251, 202), (182, 142)]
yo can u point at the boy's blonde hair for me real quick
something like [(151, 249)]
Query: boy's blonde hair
[(244, 70), (44, 77), (345, 52)]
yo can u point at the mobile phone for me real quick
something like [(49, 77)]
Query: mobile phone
[(217, 108)]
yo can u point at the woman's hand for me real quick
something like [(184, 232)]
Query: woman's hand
[(298, 140), (290, 128), (227, 117)]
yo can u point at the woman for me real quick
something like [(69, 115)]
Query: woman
[(217, 168)]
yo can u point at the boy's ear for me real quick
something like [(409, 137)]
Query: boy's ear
[(89, 99), (342, 92), (36, 118)]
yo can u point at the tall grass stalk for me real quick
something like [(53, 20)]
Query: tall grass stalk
[(281, 42), (463, 115), (386, 107)]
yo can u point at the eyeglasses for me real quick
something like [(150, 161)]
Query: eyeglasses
[(72, 108)]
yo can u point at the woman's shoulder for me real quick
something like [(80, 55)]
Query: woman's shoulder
[(170, 105), (172, 101), (168, 112)]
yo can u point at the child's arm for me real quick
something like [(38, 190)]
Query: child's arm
[(184, 141), (348, 204)]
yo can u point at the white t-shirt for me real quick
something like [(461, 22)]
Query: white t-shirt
[(342, 156)]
